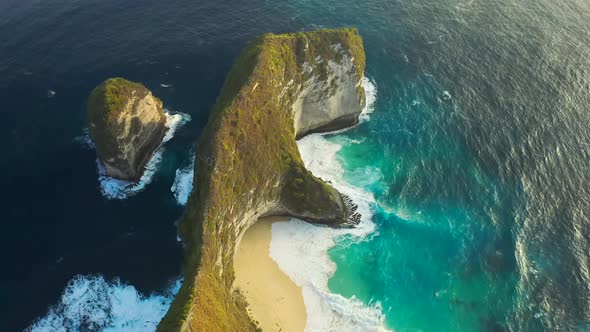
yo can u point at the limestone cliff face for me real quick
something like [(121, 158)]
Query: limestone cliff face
[(248, 164), (126, 123), (331, 98)]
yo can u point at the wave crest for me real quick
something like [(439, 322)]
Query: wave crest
[(90, 303)]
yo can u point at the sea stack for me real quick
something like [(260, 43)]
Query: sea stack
[(248, 165), (126, 123)]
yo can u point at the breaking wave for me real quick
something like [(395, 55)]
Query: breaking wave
[(370, 97), (301, 249), (90, 303), (183, 182), (112, 188)]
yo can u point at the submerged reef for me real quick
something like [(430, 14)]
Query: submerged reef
[(126, 123), (247, 165)]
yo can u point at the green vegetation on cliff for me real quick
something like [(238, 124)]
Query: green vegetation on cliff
[(248, 165), (105, 103), (126, 124)]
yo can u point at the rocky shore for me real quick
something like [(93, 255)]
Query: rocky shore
[(126, 123)]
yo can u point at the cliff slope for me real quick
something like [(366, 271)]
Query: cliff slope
[(126, 123), (248, 164)]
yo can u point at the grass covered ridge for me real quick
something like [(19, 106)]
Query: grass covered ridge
[(248, 165)]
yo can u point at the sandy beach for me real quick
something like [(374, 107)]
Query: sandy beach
[(274, 300)]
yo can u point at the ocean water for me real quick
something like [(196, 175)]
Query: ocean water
[(472, 169)]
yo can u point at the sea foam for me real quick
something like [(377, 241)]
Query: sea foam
[(370, 98), (301, 249), (112, 188), (183, 182), (90, 303)]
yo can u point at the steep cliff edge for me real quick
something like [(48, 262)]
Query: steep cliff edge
[(126, 123), (248, 164)]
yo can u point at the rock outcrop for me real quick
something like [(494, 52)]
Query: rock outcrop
[(126, 123), (330, 99), (248, 163)]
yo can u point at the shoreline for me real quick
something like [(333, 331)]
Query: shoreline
[(274, 300), (112, 188), (298, 246)]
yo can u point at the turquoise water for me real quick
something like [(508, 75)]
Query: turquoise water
[(477, 156), (436, 261)]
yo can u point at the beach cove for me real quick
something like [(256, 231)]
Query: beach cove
[(274, 300)]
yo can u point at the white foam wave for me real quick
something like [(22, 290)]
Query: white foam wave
[(301, 249), (183, 182), (90, 303), (112, 188), (446, 95), (173, 122), (370, 97)]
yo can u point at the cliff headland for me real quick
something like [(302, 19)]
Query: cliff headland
[(248, 166)]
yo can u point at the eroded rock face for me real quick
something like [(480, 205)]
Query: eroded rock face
[(126, 123), (331, 98)]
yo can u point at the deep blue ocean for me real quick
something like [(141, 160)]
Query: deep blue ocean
[(477, 155)]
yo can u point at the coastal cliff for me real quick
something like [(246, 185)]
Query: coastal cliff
[(126, 123), (248, 165)]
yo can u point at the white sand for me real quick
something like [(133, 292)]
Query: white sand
[(274, 300)]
